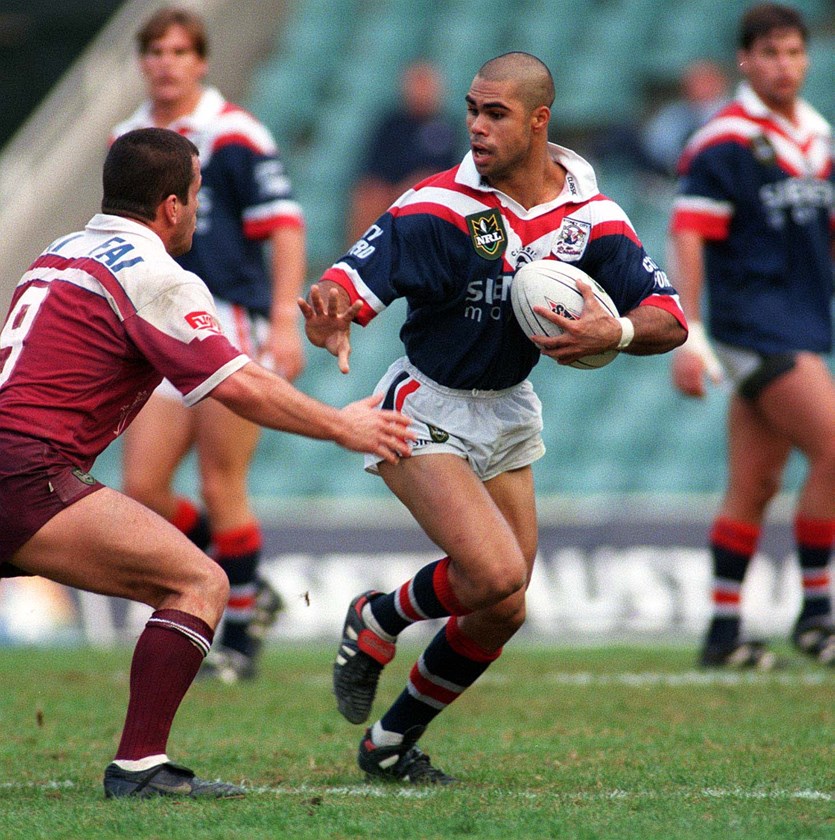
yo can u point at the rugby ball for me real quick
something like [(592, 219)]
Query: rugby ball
[(552, 284)]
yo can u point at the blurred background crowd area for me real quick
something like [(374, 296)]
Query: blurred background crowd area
[(320, 74)]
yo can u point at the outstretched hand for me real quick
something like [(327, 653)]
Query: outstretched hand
[(376, 431), (326, 327)]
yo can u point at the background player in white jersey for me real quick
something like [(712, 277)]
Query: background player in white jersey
[(463, 383), (94, 324), (245, 202), (753, 226)]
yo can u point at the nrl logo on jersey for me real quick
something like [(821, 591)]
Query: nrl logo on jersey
[(487, 233), (572, 238), (203, 321)]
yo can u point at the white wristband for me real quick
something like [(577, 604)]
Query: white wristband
[(698, 343), (627, 333)]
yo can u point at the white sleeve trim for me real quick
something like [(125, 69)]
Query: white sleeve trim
[(203, 389)]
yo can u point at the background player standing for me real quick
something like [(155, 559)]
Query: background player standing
[(411, 141), (463, 383), (245, 201), (753, 223), (94, 323)]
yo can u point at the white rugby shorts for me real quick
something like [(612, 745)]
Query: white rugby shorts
[(248, 331), (496, 431), (750, 372)]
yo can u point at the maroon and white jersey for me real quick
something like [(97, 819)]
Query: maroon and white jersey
[(95, 323)]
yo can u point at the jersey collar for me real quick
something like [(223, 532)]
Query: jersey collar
[(580, 182), (110, 223), (809, 121)]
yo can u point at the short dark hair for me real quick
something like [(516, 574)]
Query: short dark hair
[(531, 73), (142, 168), (760, 21), (161, 21)]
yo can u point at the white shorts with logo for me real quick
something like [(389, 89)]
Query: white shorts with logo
[(248, 331), (496, 431)]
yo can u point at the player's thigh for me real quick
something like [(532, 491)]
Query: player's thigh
[(110, 544), (155, 442), (801, 405), (454, 509), (514, 495), (226, 442)]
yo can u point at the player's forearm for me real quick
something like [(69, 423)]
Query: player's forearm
[(266, 399), (687, 250), (656, 331), (289, 265)]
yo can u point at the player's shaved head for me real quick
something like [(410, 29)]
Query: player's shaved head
[(535, 85)]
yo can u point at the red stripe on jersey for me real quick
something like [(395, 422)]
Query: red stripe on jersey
[(709, 226), (403, 391), (336, 275), (744, 140), (739, 537), (430, 689), (668, 304), (724, 597), (238, 139), (263, 228), (616, 227), (465, 646), (431, 208)]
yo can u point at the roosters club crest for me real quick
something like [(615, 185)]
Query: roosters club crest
[(572, 238), (487, 233)]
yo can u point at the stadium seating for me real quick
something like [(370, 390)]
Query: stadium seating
[(329, 77)]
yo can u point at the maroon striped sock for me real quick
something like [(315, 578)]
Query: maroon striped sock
[(166, 660)]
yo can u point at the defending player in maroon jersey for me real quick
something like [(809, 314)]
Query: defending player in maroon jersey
[(94, 324)]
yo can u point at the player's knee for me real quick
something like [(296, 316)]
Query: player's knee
[(212, 583), (500, 580)]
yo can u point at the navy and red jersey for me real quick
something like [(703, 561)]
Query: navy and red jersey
[(94, 324), (759, 189), (246, 195), (451, 246)]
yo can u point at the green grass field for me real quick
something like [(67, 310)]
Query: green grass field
[(587, 742)]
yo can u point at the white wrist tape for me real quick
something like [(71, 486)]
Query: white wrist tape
[(627, 333), (698, 344)]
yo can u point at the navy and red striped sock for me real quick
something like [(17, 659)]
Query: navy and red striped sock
[(427, 595), (814, 538), (192, 522), (238, 553), (450, 664), (732, 545)]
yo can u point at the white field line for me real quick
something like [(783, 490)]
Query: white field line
[(642, 679), (386, 791)]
